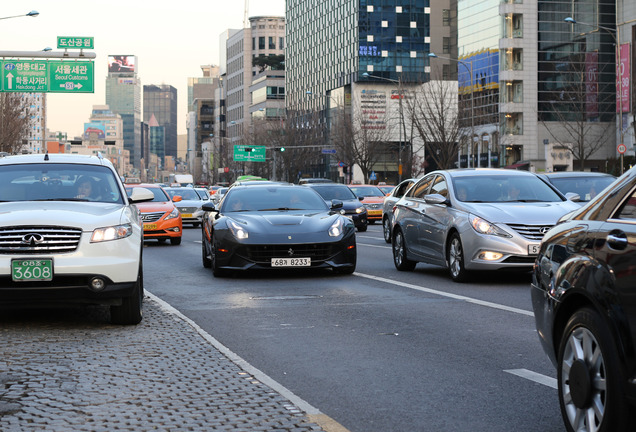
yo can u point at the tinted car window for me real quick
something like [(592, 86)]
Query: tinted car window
[(628, 210), (505, 188), (440, 186), (184, 193), (335, 192), (29, 182), (586, 187), (272, 198), (401, 190), (421, 188)]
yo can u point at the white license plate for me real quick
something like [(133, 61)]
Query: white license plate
[(533, 249), (291, 262)]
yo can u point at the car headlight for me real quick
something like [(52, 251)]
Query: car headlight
[(111, 233), (360, 210), (482, 226), (173, 214), (238, 231), (336, 228)]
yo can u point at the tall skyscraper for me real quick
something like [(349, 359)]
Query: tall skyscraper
[(123, 96), (161, 101)]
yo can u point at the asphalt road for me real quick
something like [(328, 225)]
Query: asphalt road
[(379, 350)]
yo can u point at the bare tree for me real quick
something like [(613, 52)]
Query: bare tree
[(433, 111), (14, 121), (574, 111)]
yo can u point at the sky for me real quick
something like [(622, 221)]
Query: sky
[(171, 40)]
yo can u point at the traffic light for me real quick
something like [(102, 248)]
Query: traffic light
[(248, 149), (282, 149)]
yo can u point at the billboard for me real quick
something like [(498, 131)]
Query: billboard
[(121, 64), (96, 128)]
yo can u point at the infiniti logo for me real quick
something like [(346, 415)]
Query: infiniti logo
[(32, 239)]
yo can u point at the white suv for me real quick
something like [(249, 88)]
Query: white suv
[(70, 234)]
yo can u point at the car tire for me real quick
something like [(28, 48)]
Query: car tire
[(386, 229), (579, 398), (402, 263), (130, 310), (362, 228), (455, 259), (207, 262), (175, 241)]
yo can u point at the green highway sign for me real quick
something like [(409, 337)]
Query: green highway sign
[(246, 153), (47, 76), (27, 76), (75, 42), (71, 77)]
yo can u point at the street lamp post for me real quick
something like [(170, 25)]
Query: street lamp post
[(30, 14), (469, 67), (403, 126), (615, 34)]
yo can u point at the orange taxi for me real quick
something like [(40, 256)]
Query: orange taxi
[(161, 218), (372, 197)]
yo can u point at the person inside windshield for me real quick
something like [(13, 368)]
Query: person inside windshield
[(462, 193), (87, 189), (513, 192), (236, 205)]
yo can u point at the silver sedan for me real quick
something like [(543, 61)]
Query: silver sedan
[(475, 219)]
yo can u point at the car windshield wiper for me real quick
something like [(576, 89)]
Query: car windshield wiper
[(61, 199), (281, 208)]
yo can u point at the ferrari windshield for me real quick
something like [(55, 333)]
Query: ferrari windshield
[(272, 198)]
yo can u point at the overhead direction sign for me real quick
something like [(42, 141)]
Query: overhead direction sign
[(47, 76), (75, 42), (244, 153)]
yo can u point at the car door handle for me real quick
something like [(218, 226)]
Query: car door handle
[(617, 240)]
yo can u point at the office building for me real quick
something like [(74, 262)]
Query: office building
[(123, 96), (358, 58), (160, 101)]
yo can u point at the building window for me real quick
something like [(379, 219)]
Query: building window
[(513, 26), (512, 91), (446, 72), (272, 44), (413, 24), (512, 124), (385, 23), (413, 54), (281, 43), (253, 44), (512, 59), (446, 19), (398, 39), (369, 38), (398, 9), (369, 8), (446, 45), (261, 42)]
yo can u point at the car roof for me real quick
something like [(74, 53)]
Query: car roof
[(576, 174), (467, 172), (144, 185), (54, 158)]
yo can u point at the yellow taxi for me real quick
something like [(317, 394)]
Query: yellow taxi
[(161, 218), (372, 197)]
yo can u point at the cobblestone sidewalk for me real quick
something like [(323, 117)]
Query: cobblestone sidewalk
[(161, 375)]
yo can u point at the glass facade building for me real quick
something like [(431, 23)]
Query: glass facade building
[(123, 96), (161, 101)]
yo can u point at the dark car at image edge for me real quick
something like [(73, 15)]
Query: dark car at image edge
[(583, 286)]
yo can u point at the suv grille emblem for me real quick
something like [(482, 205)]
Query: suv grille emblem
[(32, 239)]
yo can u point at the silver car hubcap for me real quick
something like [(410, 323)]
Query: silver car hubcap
[(455, 257), (584, 383), (387, 229), (398, 249)]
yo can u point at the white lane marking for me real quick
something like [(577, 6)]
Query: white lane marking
[(376, 246), (449, 295), (300, 403), (534, 376)]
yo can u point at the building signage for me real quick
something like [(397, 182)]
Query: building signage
[(373, 106), (591, 84), (75, 42), (623, 74), (47, 76)]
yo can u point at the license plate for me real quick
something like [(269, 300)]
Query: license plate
[(31, 270), (533, 249), (186, 215), (291, 262), (150, 227)]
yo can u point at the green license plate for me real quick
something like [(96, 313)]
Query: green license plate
[(32, 269)]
